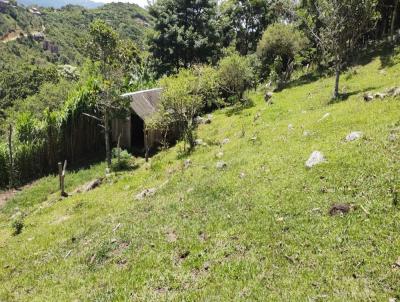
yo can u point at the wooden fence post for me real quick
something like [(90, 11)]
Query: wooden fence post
[(61, 175), (146, 144), (10, 150)]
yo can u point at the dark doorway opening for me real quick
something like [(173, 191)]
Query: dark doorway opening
[(137, 133)]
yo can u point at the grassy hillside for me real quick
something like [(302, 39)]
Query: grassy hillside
[(257, 230)]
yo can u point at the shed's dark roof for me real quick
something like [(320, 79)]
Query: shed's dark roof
[(144, 103)]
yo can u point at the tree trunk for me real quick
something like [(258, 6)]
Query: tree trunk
[(337, 78), (394, 16), (107, 138)]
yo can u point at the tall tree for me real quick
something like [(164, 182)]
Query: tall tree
[(342, 24), (244, 21), (114, 58), (185, 32)]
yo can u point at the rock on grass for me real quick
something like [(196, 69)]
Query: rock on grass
[(145, 193), (353, 136), (315, 158)]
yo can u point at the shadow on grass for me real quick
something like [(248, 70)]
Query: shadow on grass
[(302, 80), (344, 96), (238, 108), (385, 50)]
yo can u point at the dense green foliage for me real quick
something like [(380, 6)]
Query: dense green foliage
[(13, 17), (185, 32), (114, 57), (26, 64), (235, 77), (181, 102), (243, 22), (278, 49)]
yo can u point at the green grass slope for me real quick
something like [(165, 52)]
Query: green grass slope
[(259, 230)]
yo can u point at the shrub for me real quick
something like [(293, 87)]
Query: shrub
[(235, 76), (122, 160), (208, 86), (181, 102), (278, 49), (17, 225), (3, 166)]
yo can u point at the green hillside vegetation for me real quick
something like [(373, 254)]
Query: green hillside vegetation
[(24, 60), (66, 28), (257, 229), (17, 18)]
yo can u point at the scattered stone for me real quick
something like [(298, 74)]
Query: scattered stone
[(225, 141), (353, 136), (306, 133), (199, 120), (199, 142), (91, 185), (397, 263), (203, 236), (380, 95), (268, 96), (219, 154), (187, 163), (392, 299), (242, 175), (221, 165), (184, 254), (326, 115), (171, 236), (290, 127), (368, 97), (339, 209), (146, 193), (202, 121), (395, 91), (392, 137), (315, 158)]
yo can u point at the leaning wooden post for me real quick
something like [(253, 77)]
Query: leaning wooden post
[(61, 172), (10, 150), (146, 145)]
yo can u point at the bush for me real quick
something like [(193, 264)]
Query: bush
[(181, 102), (208, 86), (3, 166), (278, 49), (17, 225), (122, 160), (235, 76)]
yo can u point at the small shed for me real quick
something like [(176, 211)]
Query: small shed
[(131, 131)]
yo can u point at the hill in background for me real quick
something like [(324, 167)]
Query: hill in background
[(65, 28), (59, 4)]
